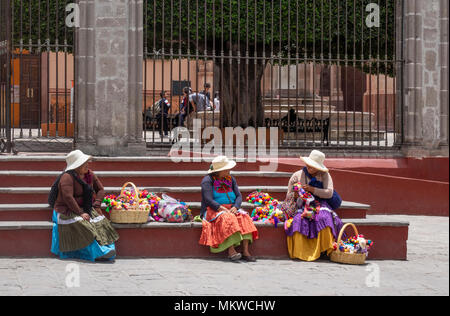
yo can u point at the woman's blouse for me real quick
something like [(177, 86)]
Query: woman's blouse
[(70, 196), (290, 205), (324, 177), (222, 198), (208, 195)]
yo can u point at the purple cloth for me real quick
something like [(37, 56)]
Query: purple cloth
[(311, 228)]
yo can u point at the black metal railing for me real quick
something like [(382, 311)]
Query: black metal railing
[(331, 61), (248, 63), (5, 69), (41, 72)]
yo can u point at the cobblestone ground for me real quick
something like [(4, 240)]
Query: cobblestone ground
[(425, 273)]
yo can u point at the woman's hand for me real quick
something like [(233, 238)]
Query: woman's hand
[(307, 214), (234, 210), (223, 209), (308, 188), (86, 217)]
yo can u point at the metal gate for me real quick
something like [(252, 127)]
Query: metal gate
[(321, 71), (37, 78), (5, 131)]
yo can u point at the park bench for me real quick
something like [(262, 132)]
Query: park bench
[(151, 122), (294, 124)]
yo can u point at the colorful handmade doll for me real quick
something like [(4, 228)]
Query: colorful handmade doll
[(267, 208), (311, 206)]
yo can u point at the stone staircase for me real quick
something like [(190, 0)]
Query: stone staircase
[(25, 227), (342, 123)]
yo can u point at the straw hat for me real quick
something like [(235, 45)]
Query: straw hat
[(76, 159), (315, 160), (221, 163)]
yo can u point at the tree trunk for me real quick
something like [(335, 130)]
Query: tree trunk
[(240, 92)]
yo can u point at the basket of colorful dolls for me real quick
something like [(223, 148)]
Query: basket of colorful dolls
[(129, 207), (352, 251), (154, 200)]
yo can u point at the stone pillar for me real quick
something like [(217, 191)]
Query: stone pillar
[(109, 77), (443, 65), (425, 77)]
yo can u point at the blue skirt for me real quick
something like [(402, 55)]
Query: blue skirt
[(90, 253)]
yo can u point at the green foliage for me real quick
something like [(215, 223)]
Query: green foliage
[(334, 30), (40, 20), (284, 30)]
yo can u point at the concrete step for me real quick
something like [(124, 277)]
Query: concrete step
[(142, 178), (156, 240), (43, 212), (374, 181), (39, 195), (57, 162)]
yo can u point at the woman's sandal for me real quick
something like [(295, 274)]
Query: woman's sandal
[(249, 258), (236, 257)]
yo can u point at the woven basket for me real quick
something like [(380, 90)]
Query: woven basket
[(131, 216), (345, 257)]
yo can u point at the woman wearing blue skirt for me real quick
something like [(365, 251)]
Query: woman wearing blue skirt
[(80, 231)]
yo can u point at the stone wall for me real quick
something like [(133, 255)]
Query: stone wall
[(425, 77), (109, 76)]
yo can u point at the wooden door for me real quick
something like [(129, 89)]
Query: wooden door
[(30, 94)]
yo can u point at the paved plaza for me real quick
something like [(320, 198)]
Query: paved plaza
[(425, 273)]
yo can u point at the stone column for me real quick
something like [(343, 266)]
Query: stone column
[(109, 77), (425, 77), (443, 65)]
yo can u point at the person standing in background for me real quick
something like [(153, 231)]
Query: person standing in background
[(216, 102), (186, 107), (163, 116), (206, 92)]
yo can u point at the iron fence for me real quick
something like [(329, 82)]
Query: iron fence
[(327, 64), (5, 40), (323, 72), (40, 76)]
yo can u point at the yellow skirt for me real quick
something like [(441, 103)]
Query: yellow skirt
[(300, 247)]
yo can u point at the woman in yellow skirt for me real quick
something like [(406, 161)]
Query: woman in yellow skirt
[(311, 230)]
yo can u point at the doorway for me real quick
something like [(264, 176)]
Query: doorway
[(30, 91)]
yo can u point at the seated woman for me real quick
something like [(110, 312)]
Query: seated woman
[(79, 229), (309, 234), (225, 225)]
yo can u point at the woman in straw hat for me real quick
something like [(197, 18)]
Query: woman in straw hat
[(225, 225), (312, 231), (79, 229)]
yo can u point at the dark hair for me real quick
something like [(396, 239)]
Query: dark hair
[(163, 93), (207, 85), (216, 95), (186, 90)]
